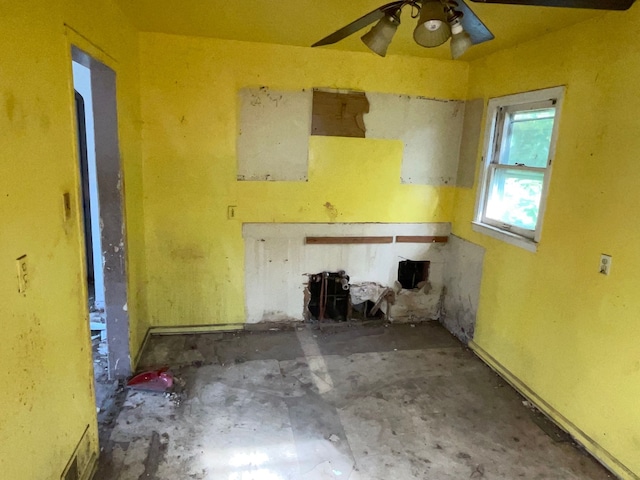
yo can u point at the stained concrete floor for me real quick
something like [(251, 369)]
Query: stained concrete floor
[(367, 402)]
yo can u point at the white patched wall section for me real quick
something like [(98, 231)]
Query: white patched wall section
[(273, 134), (430, 130), (277, 259), (274, 128)]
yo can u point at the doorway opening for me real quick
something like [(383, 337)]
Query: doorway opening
[(100, 198)]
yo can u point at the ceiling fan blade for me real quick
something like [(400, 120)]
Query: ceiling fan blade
[(473, 25), (594, 4), (358, 24)]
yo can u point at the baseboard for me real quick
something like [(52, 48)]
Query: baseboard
[(136, 361), (182, 329), (92, 468), (227, 327), (598, 452)]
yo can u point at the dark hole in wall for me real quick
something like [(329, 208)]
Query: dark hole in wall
[(362, 311), (411, 273), (329, 296)]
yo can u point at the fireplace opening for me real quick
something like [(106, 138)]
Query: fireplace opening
[(329, 296), (411, 273)]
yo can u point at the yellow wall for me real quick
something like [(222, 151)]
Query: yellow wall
[(195, 255), (46, 374), (567, 332)]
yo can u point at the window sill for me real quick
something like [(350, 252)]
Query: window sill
[(505, 236)]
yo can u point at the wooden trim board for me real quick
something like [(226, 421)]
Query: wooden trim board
[(346, 240), (183, 329), (421, 239)]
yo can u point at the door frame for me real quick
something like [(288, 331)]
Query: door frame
[(110, 176)]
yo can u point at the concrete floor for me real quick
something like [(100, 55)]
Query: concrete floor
[(342, 402)]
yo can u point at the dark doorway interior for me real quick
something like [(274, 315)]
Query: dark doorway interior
[(86, 199)]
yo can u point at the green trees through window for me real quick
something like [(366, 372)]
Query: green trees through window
[(515, 194)]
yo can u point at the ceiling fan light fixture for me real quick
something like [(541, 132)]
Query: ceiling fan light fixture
[(432, 29), (379, 37), (460, 40)]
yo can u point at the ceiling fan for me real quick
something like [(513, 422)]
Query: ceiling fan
[(439, 20)]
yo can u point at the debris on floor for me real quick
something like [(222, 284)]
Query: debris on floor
[(329, 402), (155, 381), (98, 325), (104, 388)]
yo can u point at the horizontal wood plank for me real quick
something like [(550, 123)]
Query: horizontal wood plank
[(346, 240), (421, 239)]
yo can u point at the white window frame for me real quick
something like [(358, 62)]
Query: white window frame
[(493, 145)]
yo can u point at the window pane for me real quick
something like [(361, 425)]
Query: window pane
[(514, 197), (529, 138)]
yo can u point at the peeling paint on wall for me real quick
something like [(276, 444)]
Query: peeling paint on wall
[(416, 305)]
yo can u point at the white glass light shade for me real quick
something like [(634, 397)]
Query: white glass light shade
[(460, 40), (380, 36), (432, 29)]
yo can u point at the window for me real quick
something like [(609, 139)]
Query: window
[(520, 138)]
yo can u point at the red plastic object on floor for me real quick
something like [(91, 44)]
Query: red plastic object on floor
[(153, 380)]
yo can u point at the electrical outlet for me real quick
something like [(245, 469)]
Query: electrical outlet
[(231, 212), (23, 272), (605, 264)]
